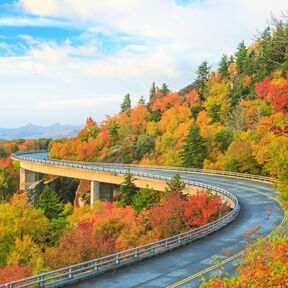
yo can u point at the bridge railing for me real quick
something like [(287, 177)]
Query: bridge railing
[(100, 265), (82, 165)]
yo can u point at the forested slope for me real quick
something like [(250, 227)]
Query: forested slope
[(234, 118)]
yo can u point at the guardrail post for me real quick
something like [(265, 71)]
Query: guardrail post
[(96, 266), (117, 259), (179, 239), (42, 281), (166, 243), (136, 253), (70, 275), (152, 248)]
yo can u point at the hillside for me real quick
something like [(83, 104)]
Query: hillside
[(234, 118), (31, 131)]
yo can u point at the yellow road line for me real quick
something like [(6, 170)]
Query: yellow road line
[(219, 264)]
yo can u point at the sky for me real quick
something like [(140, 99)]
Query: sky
[(65, 60)]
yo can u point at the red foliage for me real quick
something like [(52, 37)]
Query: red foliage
[(176, 215), (99, 236), (203, 208), (274, 92), (168, 219), (14, 272)]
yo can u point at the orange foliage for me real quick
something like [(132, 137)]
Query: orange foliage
[(265, 265), (165, 102), (14, 272)]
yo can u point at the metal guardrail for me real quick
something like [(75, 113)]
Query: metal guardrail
[(148, 167), (87, 269)]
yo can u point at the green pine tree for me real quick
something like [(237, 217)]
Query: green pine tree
[(202, 76), (128, 190), (126, 104), (176, 185), (164, 89), (113, 133), (152, 91), (145, 198), (241, 57), (223, 67), (141, 101), (50, 203), (194, 150), (202, 72)]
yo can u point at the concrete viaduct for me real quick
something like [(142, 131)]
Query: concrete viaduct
[(102, 183)]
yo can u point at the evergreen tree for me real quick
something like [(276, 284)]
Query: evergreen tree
[(114, 132), (176, 185), (202, 72), (145, 198), (202, 76), (224, 138), (263, 61), (223, 67), (152, 91), (141, 101), (128, 190), (164, 89), (194, 150), (249, 64), (50, 203), (126, 104), (241, 57)]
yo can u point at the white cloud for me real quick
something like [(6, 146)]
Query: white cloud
[(209, 28), (66, 61), (163, 42), (33, 22)]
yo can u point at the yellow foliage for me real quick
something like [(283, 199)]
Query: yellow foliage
[(85, 212), (27, 252), (152, 129)]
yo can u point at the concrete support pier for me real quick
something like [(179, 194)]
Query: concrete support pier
[(94, 192), (101, 191), (27, 178)]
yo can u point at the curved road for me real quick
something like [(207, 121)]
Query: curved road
[(259, 215)]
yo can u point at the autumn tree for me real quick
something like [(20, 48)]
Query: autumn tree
[(264, 265), (275, 92), (90, 130), (168, 219), (18, 219), (14, 272), (204, 207)]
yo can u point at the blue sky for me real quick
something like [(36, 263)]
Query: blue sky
[(65, 60)]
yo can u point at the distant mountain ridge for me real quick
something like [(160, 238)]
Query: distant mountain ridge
[(31, 131)]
